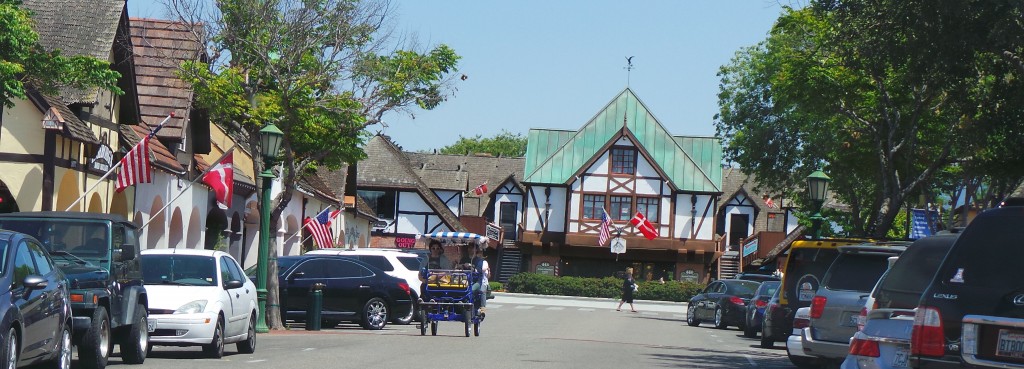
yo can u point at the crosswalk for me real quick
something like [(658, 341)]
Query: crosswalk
[(583, 309)]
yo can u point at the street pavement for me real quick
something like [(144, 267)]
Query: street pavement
[(520, 332)]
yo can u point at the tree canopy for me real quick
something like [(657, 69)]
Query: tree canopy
[(24, 61), (506, 144), (883, 95), (317, 70)]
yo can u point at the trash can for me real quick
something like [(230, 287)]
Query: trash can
[(316, 302)]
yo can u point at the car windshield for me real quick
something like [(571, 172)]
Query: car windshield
[(741, 288), (69, 241), (906, 280), (184, 270)]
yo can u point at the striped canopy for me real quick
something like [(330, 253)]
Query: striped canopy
[(459, 237)]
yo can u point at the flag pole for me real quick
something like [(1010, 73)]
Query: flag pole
[(200, 176), (112, 169)]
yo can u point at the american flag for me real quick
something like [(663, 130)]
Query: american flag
[(320, 227), (606, 232), (135, 165)]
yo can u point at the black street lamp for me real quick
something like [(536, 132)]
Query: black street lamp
[(270, 143), (817, 190)]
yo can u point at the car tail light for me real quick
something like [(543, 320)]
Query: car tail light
[(736, 300), (818, 306), (404, 286), (861, 347), (801, 323), (928, 337), (862, 318), (760, 303)]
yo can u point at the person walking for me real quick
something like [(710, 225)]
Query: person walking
[(629, 287)]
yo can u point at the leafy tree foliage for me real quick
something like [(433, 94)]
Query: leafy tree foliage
[(313, 68), (506, 144), (883, 95), (23, 61)]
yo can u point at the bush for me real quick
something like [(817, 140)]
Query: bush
[(494, 286), (608, 287)]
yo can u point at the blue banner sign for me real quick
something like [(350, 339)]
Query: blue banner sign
[(750, 248)]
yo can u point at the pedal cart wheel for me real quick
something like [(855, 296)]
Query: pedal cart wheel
[(433, 328), (476, 329), (423, 323), (467, 316)]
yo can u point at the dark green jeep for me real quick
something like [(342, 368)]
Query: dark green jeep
[(99, 254)]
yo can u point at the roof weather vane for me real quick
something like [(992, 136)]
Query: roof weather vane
[(629, 68)]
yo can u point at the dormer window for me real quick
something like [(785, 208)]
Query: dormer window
[(623, 161)]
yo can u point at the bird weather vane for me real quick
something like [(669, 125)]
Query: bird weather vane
[(628, 68)]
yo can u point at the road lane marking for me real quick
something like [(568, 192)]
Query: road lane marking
[(586, 309), (750, 360), (648, 313), (308, 349), (524, 307), (256, 361), (493, 306), (556, 308)]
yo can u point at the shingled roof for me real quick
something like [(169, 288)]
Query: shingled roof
[(387, 166), (85, 28), (465, 172), (74, 128), (160, 47)]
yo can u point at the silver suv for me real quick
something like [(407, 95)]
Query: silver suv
[(395, 263), (835, 309)]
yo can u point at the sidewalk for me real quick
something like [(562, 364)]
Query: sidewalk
[(585, 302)]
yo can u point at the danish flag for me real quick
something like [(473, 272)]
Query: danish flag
[(640, 222), (221, 179)]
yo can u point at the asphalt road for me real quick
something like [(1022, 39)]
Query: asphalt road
[(521, 331)]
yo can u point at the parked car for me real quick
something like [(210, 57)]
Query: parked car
[(353, 290), (199, 298), (836, 307), (806, 263), (35, 310), (99, 255), (757, 277), (971, 311), (888, 316), (756, 306), (393, 262), (723, 302), (794, 345)]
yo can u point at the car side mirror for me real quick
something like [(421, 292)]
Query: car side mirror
[(125, 253), (34, 282), (232, 285)]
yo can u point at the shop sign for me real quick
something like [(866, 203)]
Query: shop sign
[(689, 275), (546, 268), (405, 242), (618, 245), (750, 248)]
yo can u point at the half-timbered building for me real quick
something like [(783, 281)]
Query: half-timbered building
[(623, 161)]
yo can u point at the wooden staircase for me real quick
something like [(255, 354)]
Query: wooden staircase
[(510, 260), (729, 265)]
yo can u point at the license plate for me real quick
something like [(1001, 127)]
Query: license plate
[(1011, 344), (151, 325), (853, 320), (901, 357)]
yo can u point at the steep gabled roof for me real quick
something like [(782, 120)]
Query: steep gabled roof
[(74, 128), (160, 47), (387, 166), (465, 172), (553, 156)]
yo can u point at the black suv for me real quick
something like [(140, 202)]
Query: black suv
[(99, 254), (972, 312)]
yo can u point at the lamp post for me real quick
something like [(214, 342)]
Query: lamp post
[(817, 189), (270, 143)]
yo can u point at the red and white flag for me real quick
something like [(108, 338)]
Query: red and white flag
[(221, 179), (644, 225), (768, 201), (319, 227), (606, 231), (481, 189), (135, 166)]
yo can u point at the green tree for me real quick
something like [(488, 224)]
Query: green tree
[(856, 87), (24, 63), (313, 68), (505, 144)]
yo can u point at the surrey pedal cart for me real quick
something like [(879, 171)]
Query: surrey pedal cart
[(448, 295)]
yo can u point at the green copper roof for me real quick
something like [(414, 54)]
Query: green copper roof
[(691, 163)]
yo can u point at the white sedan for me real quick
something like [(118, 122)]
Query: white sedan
[(199, 298)]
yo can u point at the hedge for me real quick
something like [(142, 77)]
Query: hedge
[(607, 287)]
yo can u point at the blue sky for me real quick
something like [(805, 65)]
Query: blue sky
[(555, 64)]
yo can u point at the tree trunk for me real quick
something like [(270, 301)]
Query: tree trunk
[(274, 319)]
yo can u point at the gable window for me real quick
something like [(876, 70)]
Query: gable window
[(649, 207), (592, 206), (382, 202), (623, 161), (621, 207)]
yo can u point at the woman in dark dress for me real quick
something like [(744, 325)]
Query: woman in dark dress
[(628, 287)]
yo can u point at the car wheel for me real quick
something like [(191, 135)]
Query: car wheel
[(405, 320), (135, 343), (62, 360), (691, 316), (766, 340), (249, 345), (720, 318), (423, 323), (10, 350), (215, 349), (748, 328), (95, 347), (375, 314), (467, 317)]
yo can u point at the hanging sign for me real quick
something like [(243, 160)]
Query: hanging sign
[(618, 245)]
